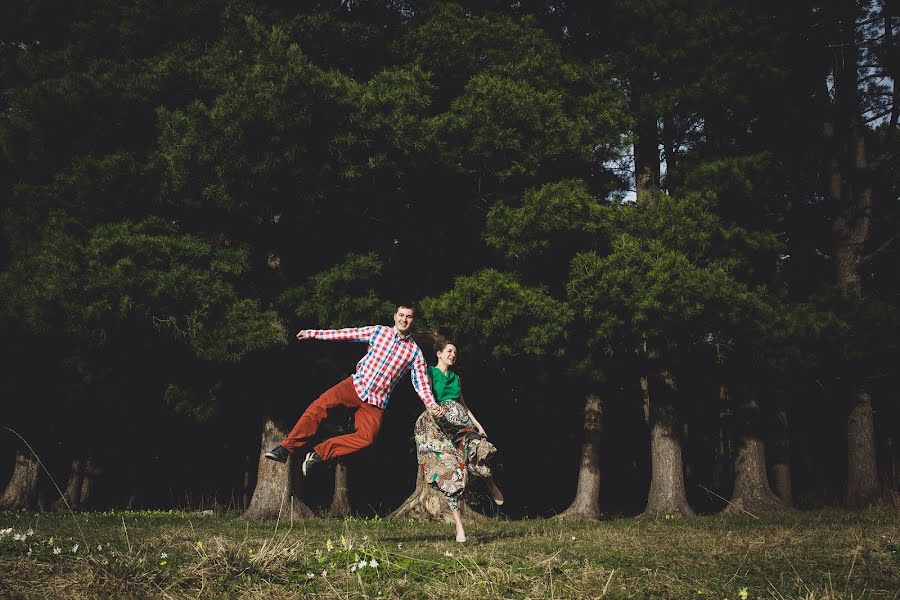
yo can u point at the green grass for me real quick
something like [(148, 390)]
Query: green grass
[(173, 554)]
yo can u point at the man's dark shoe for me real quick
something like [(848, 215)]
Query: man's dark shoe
[(312, 459), (278, 453)]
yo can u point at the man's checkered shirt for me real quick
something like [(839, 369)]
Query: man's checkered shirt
[(389, 357)]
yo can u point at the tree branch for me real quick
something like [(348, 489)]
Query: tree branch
[(879, 250)]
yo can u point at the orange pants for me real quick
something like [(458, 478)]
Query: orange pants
[(366, 420)]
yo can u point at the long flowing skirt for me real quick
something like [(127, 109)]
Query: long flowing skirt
[(450, 450)]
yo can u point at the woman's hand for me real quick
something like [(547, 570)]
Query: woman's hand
[(481, 430)]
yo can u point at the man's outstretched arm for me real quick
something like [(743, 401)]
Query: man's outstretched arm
[(351, 334)]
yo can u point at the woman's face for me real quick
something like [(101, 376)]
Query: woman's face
[(448, 354)]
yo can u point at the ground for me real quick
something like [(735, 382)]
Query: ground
[(807, 555)]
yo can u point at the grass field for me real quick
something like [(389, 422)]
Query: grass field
[(173, 554)]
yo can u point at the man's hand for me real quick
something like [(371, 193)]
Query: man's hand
[(437, 410), (302, 335)]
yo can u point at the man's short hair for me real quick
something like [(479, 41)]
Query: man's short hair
[(408, 305)]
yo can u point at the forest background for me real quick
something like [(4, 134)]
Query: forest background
[(662, 234)]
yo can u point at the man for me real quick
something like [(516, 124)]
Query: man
[(392, 352)]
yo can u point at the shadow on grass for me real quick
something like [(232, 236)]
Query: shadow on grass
[(473, 536)]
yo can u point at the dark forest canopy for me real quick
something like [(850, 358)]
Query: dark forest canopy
[(663, 236)]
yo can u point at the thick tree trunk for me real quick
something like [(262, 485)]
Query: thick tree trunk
[(667, 495), (752, 493), (340, 501), (21, 492), (862, 479), (428, 504), (74, 487), (851, 195), (586, 505), (274, 497), (781, 463)]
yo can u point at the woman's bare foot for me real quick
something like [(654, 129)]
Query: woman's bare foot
[(494, 491), (460, 530)]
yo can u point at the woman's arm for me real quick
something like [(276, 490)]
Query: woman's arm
[(472, 416)]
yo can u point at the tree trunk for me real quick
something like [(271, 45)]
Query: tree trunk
[(340, 501), (670, 145), (428, 504), (21, 492), (74, 487), (646, 157), (781, 463), (274, 497), (862, 480), (752, 493), (586, 506), (667, 495), (851, 195)]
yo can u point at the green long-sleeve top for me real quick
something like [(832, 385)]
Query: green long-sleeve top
[(446, 387)]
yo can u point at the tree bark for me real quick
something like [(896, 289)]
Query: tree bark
[(667, 495), (428, 504), (21, 491), (74, 487), (862, 479), (851, 195), (274, 496), (340, 500), (585, 506), (781, 463), (752, 493)]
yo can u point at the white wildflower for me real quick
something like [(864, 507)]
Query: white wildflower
[(19, 537), (373, 563), (57, 550), (310, 576), (6, 531), (448, 553), (163, 555), (399, 545), (30, 532), (325, 573), (75, 548), (99, 547)]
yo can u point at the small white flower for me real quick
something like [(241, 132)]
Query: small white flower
[(362, 563), (163, 555), (75, 548), (6, 531), (325, 573), (353, 568), (573, 538), (30, 532), (99, 547), (373, 563), (448, 553), (310, 576), (57, 550), (19, 537)]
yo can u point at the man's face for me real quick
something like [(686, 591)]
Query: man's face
[(403, 319)]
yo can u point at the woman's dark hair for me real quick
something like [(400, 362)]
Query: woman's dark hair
[(434, 340)]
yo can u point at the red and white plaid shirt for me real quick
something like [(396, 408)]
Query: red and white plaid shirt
[(389, 357)]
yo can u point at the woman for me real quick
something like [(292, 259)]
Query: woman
[(452, 448)]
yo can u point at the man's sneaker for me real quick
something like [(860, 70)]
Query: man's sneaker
[(310, 461), (278, 453)]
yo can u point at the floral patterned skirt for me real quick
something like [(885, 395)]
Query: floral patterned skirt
[(450, 449)]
